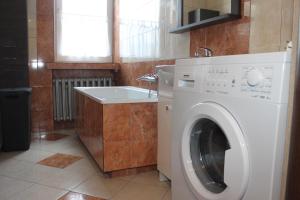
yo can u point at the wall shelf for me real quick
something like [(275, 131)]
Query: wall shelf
[(234, 13), (204, 23)]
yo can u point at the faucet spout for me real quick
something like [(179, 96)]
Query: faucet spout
[(150, 78)]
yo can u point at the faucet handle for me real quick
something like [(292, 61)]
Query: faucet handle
[(207, 52)]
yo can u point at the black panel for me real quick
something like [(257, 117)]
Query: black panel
[(15, 119), (13, 44), (13, 76), (13, 51), (13, 9)]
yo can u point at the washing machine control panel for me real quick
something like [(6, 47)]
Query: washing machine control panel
[(255, 76), (250, 81), (257, 81)]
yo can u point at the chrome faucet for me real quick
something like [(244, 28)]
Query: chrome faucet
[(150, 78), (207, 52)]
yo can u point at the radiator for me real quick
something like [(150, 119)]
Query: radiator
[(64, 96)]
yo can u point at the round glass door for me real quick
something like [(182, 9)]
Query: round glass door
[(214, 153), (208, 144)]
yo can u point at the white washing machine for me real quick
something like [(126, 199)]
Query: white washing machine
[(229, 120)]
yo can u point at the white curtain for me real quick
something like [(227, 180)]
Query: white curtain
[(83, 30), (144, 31)]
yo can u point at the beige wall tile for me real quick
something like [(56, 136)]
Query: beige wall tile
[(247, 8), (287, 22), (31, 18), (32, 49), (271, 25)]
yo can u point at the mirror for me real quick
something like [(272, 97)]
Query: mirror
[(199, 10), (193, 14)]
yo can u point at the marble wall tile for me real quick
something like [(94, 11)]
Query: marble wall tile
[(240, 31), (40, 77), (228, 38), (45, 7), (81, 73), (129, 72), (41, 98), (45, 39), (216, 39), (41, 49), (198, 39), (42, 120), (35, 121)]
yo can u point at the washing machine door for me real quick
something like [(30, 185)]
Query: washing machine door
[(214, 154)]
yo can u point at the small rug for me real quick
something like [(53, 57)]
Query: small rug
[(59, 160)]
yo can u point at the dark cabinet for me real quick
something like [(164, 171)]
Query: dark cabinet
[(13, 76), (13, 9), (13, 44), (13, 50), (15, 119)]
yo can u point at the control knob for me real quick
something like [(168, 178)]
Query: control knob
[(254, 77)]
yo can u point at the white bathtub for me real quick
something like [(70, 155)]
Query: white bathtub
[(122, 94)]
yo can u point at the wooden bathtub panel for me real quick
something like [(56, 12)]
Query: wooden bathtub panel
[(116, 122), (143, 121), (116, 155), (79, 123), (94, 129), (118, 136), (130, 135), (143, 134), (143, 152), (89, 126)]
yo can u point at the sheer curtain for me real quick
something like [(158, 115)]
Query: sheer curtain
[(139, 28), (144, 31), (83, 30)]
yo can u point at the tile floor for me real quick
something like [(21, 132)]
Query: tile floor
[(22, 178)]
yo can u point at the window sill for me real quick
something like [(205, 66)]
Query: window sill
[(109, 66)]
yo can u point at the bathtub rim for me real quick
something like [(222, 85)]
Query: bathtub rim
[(154, 98)]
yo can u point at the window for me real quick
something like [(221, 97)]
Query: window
[(83, 30), (139, 28), (144, 31)]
